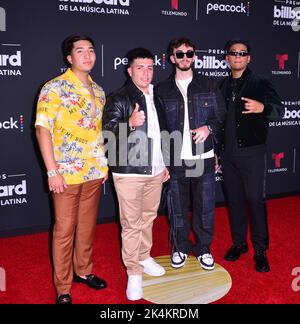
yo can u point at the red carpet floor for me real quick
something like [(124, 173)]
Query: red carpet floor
[(29, 277)]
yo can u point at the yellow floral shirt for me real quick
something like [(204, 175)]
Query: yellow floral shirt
[(65, 109)]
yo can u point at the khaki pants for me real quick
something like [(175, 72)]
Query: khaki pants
[(139, 199), (73, 234)]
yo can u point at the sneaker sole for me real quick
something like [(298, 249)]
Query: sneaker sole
[(155, 274), (176, 266), (133, 298), (207, 267)]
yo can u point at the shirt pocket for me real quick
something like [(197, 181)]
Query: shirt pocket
[(171, 111), (204, 108)]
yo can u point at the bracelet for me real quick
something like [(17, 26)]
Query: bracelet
[(209, 129), (131, 128), (52, 173)]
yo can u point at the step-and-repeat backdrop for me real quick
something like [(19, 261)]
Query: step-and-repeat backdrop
[(31, 32)]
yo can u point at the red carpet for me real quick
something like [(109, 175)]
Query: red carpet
[(29, 277)]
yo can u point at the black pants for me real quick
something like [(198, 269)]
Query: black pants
[(200, 191), (244, 181)]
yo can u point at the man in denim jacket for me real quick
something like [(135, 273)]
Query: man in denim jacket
[(191, 111)]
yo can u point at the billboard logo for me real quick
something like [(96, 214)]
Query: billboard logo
[(294, 114), (2, 19), (174, 4), (295, 23), (2, 279), (107, 2), (10, 63), (13, 60), (11, 190), (286, 13), (211, 63), (291, 116), (96, 6), (281, 58), (15, 191), (277, 157), (287, 16)]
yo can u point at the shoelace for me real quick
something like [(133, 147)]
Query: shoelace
[(180, 255), (207, 256)]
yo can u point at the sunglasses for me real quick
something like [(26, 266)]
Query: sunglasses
[(234, 53), (188, 54)]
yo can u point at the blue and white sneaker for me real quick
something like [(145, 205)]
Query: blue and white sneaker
[(206, 261), (178, 259)]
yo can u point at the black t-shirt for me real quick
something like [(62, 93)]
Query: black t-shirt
[(230, 127)]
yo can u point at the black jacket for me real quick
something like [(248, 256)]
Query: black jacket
[(206, 106), (129, 153), (252, 129)]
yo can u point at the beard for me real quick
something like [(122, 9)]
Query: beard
[(185, 67)]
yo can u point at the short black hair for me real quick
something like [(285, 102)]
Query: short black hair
[(177, 42), (138, 52), (68, 44), (237, 41)]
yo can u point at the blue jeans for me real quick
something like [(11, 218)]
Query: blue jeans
[(199, 194)]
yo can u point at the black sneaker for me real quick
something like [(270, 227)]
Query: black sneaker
[(235, 251), (261, 261)]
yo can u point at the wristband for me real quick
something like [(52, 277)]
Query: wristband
[(52, 173), (209, 129)]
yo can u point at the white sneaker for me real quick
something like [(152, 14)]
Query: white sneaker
[(152, 268), (206, 261), (178, 259), (134, 289)]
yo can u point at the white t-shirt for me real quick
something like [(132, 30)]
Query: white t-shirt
[(186, 151)]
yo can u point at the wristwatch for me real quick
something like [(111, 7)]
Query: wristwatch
[(52, 173)]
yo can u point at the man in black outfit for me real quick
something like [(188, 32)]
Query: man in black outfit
[(251, 103)]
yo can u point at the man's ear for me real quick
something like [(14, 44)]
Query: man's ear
[(69, 58), (129, 71)]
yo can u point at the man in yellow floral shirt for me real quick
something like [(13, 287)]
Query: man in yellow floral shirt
[(69, 132)]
